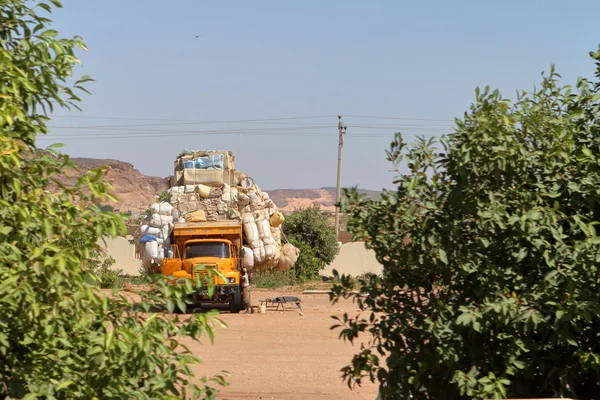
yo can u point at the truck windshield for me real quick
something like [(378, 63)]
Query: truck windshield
[(206, 249)]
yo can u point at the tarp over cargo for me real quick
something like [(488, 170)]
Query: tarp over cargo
[(209, 167)]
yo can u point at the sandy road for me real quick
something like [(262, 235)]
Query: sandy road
[(282, 355)]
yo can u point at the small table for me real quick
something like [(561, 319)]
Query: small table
[(281, 301)]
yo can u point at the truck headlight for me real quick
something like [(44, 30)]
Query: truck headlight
[(231, 280)]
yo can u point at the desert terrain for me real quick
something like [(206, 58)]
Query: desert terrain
[(283, 355)]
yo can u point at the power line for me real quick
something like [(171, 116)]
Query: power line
[(274, 133), (194, 121), (400, 128), (247, 120), (163, 132), (129, 131), (265, 123), (283, 128), (240, 133), (176, 124), (119, 132), (400, 118)]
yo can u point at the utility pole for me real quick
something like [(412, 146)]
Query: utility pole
[(341, 132)]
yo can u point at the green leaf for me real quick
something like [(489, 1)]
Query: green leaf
[(464, 318), (181, 305), (442, 255), (110, 336), (170, 305), (50, 33), (64, 385), (586, 151)]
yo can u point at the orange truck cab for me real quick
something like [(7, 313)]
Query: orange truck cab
[(206, 246)]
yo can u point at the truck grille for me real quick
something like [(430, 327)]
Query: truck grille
[(202, 273)]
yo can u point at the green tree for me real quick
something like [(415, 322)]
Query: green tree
[(308, 229), (60, 337), (490, 253)]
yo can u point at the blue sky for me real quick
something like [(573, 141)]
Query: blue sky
[(282, 59)]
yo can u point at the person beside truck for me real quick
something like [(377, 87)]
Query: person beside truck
[(245, 280)]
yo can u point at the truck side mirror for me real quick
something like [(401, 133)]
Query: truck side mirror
[(242, 252)]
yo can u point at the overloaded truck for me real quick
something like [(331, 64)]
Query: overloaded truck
[(199, 248), (215, 219)]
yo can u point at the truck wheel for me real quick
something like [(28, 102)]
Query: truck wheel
[(235, 306)]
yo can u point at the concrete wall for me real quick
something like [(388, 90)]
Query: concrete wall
[(124, 254), (354, 259)]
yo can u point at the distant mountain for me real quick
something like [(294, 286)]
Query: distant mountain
[(135, 191), (291, 199)]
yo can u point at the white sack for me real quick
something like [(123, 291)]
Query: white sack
[(268, 240), (230, 195), (165, 209), (270, 251), (276, 234), (165, 231), (255, 244), (254, 199), (148, 230), (158, 221), (248, 260), (247, 218), (263, 227), (251, 232), (161, 256), (150, 250), (243, 199), (176, 190), (250, 228), (259, 254)]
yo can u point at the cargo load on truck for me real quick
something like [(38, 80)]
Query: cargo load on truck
[(206, 188)]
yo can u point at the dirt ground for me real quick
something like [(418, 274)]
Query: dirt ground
[(283, 355)]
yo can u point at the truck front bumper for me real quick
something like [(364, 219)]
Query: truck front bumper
[(220, 291)]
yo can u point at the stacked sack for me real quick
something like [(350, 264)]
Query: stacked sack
[(154, 233), (242, 201), (258, 214)]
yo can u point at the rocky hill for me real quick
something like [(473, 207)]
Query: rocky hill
[(135, 191), (291, 199)]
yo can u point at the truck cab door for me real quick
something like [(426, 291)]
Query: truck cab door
[(172, 262)]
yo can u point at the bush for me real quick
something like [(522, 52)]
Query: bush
[(273, 279), (309, 230), (102, 274), (60, 337), (490, 255)]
